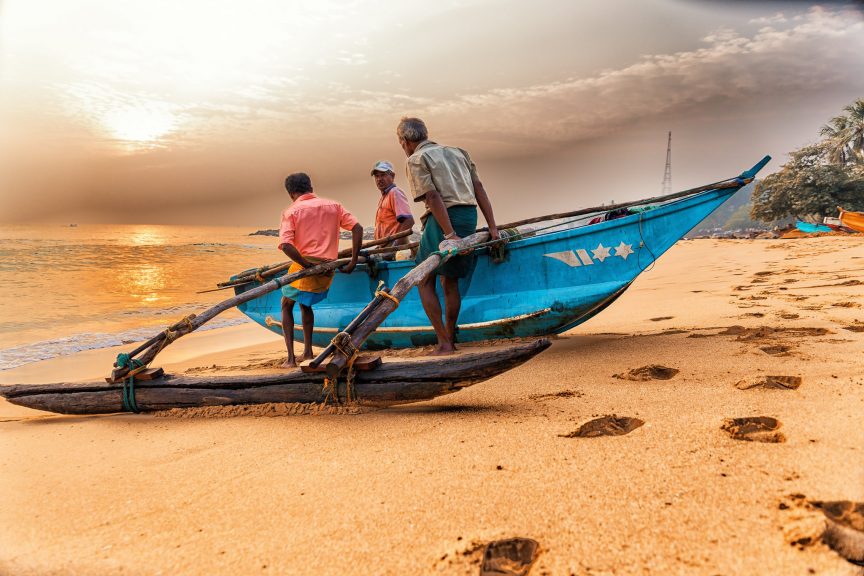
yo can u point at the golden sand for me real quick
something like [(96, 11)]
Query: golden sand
[(769, 330)]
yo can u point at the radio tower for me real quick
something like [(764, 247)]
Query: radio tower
[(667, 175)]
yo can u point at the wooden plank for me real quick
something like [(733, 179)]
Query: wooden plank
[(361, 364), (146, 374)]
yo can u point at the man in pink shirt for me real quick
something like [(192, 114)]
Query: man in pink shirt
[(309, 235)]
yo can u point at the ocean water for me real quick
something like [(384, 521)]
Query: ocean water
[(65, 289)]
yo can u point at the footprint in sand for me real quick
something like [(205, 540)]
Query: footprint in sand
[(776, 350), (649, 372), (844, 528), (606, 426), (771, 383), (661, 318), (767, 332), (561, 394), (511, 557), (855, 328), (754, 429)]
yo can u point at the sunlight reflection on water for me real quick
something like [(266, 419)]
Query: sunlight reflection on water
[(60, 282)]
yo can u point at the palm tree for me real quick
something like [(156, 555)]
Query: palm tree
[(855, 128), (844, 135)]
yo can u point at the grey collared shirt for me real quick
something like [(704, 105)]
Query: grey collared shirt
[(446, 169)]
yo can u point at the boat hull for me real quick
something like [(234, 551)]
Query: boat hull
[(547, 284)]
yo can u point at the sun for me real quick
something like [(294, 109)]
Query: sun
[(142, 127)]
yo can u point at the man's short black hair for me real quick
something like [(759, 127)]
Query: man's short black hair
[(298, 183)]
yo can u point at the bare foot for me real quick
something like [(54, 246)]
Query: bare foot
[(444, 350), (307, 355), (289, 364)]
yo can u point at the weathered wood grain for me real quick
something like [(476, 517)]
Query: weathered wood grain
[(392, 383)]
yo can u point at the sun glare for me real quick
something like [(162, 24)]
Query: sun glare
[(139, 126), (146, 236)]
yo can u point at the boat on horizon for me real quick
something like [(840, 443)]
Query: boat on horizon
[(558, 271)]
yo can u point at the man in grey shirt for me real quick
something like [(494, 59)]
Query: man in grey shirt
[(446, 180)]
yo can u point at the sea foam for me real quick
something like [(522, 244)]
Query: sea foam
[(48, 349)]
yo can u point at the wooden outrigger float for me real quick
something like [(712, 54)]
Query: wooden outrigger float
[(390, 384)]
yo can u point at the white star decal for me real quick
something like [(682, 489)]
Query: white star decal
[(601, 252), (623, 250)]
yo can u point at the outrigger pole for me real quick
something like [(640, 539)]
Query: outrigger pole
[(128, 365)]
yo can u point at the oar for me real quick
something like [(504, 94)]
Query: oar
[(192, 322), (385, 250), (744, 178), (276, 268)]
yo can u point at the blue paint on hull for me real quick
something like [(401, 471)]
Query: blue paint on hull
[(548, 284)]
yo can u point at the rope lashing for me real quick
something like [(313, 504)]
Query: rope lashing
[(342, 342), (329, 390), (188, 322), (127, 392), (128, 395), (380, 291), (136, 366)]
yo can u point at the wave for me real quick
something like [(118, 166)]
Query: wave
[(48, 349)]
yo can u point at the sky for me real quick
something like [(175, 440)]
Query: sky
[(193, 112)]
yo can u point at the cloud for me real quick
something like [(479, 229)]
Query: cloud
[(820, 52), (787, 55)]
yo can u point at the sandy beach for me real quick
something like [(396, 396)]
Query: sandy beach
[(420, 489)]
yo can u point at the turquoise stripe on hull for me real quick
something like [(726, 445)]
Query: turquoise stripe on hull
[(548, 284)]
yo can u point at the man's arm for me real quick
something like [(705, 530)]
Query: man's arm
[(356, 241), (405, 223), (291, 251), (403, 214), (486, 208)]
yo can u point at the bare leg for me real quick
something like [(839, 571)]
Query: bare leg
[(308, 325), (452, 305), (429, 298), (288, 331)]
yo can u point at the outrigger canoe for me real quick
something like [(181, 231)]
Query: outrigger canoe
[(389, 384), (558, 272), (852, 220)]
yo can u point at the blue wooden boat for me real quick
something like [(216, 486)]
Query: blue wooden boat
[(559, 271), (810, 228)]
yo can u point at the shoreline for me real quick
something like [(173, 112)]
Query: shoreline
[(421, 488)]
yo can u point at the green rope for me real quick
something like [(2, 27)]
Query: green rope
[(127, 392), (124, 360), (128, 395)]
